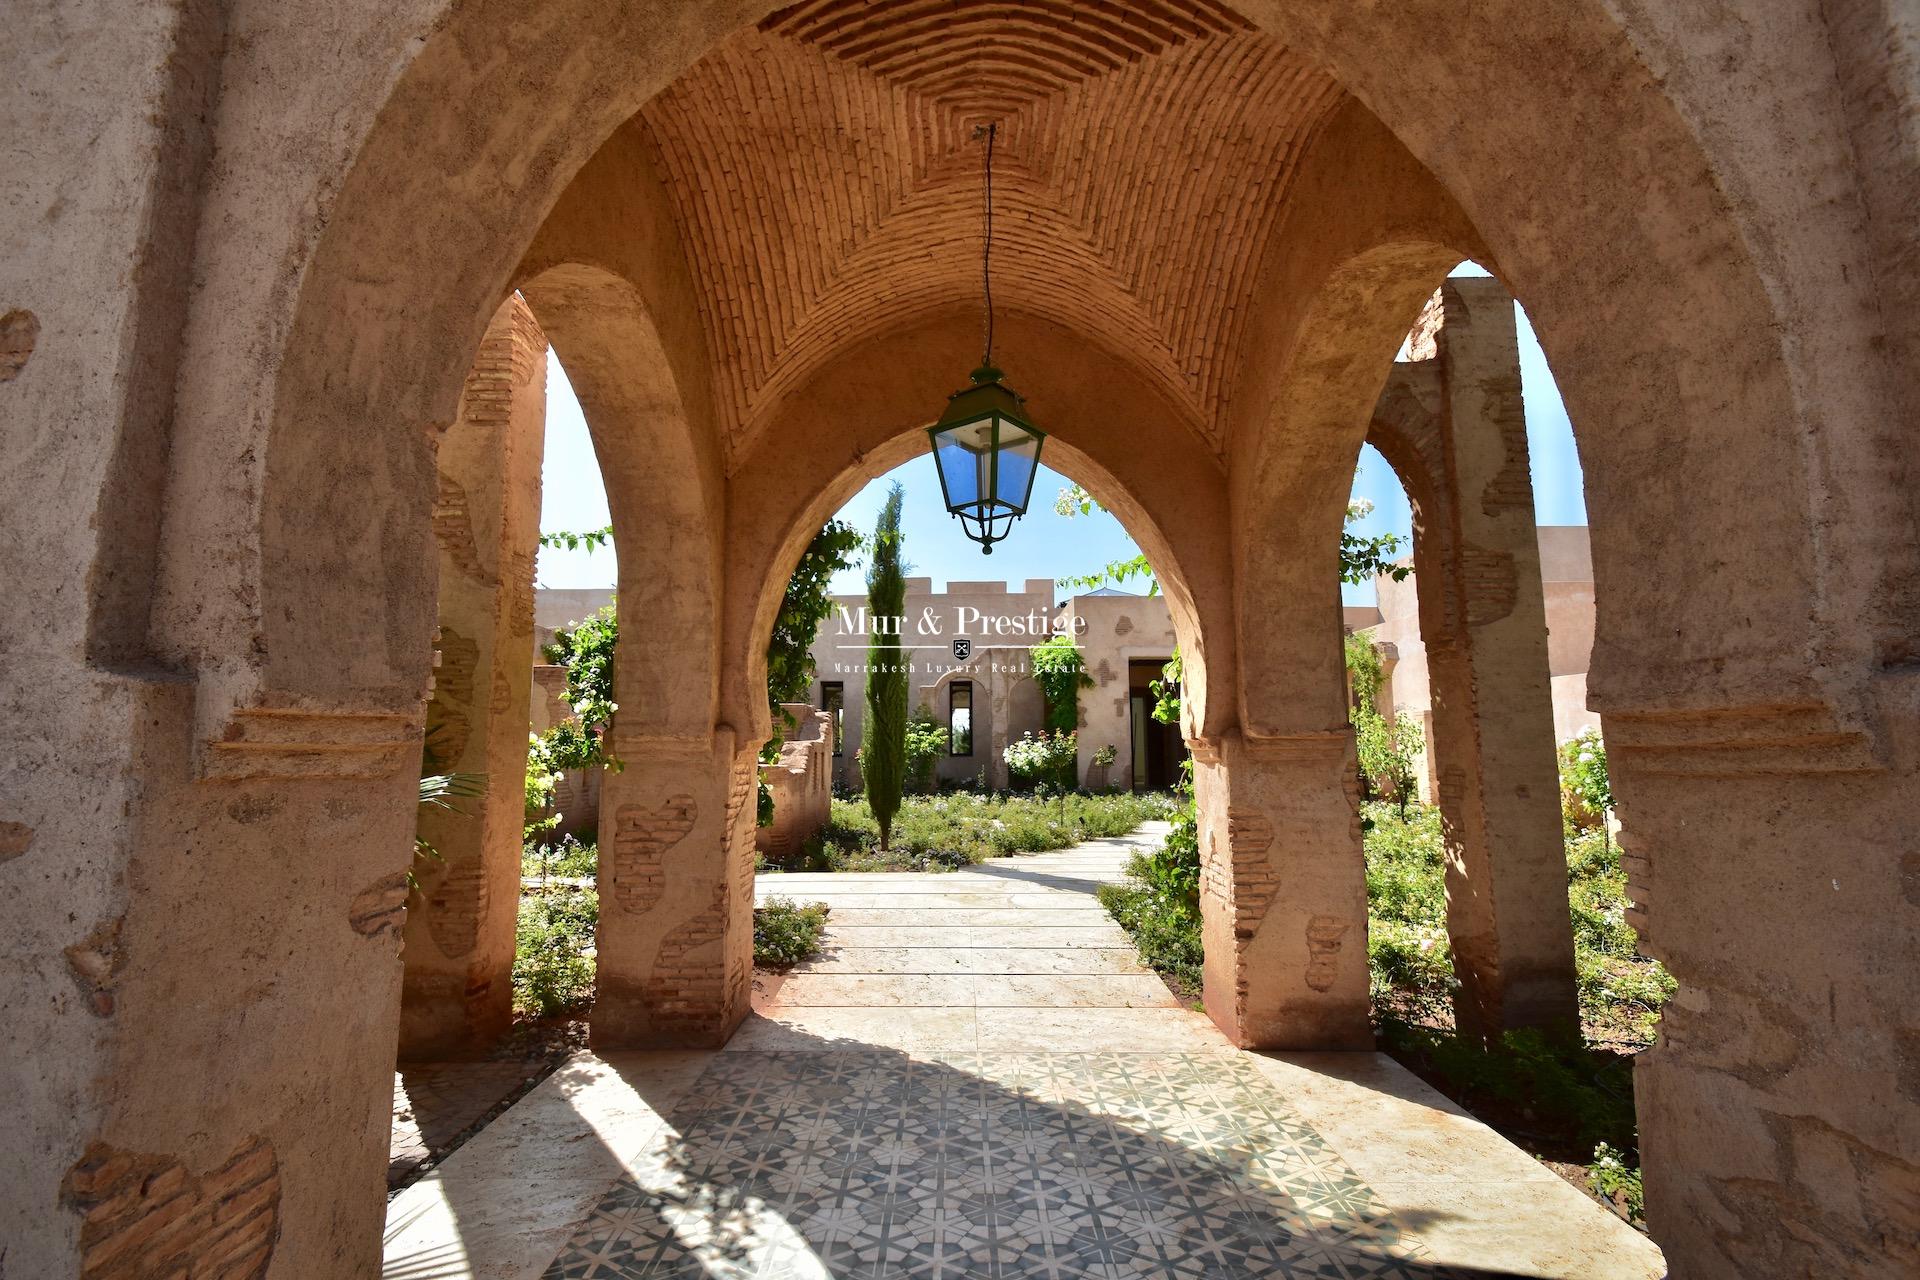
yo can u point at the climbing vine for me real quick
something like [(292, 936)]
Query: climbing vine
[(586, 651), (1061, 673), (572, 540), (790, 667)]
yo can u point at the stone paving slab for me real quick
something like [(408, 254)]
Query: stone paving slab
[(1100, 991), (963, 960), (875, 990), (990, 917), (1085, 991)]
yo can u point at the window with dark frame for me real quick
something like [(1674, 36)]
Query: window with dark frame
[(960, 718), (833, 701)]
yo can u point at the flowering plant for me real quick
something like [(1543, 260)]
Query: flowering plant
[(1049, 756)]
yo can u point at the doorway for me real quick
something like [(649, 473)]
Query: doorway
[(1158, 748)]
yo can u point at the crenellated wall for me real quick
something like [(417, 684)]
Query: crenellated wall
[(801, 781)]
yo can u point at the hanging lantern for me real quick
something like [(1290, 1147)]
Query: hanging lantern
[(988, 454), (986, 450)]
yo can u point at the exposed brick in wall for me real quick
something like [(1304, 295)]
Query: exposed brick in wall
[(381, 907), (1213, 111), (15, 839), (19, 332), (1326, 935), (453, 526), (95, 963), (145, 1217), (455, 897), (456, 662), (1244, 880), (1511, 488), (1488, 583), (641, 837), (695, 984), (687, 989)]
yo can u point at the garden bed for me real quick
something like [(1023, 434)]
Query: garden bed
[(958, 829), (1568, 1103)]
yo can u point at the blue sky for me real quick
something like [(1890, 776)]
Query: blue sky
[(1043, 545)]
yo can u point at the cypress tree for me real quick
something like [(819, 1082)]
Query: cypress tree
[(883, 753)]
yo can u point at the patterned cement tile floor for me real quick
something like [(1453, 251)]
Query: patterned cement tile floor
[(974, 1080)]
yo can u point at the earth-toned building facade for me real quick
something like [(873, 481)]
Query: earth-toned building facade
[(252, 254)]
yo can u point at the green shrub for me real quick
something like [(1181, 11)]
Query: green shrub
[(926, 743), (1166, 931), (785, 933), (1159, 905), (567, 858), (554, 951), (1586, 790), (958, 828), (1173, 870), (1616, 1176), (1621, 991)]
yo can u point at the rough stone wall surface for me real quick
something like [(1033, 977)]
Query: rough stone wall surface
[(801, 781), (458, 991)]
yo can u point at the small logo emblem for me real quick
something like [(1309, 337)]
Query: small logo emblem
[(962, 649)]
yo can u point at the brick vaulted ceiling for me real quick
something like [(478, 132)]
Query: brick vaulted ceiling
[(827, 181)]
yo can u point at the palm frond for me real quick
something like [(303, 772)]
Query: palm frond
[(442, 790)]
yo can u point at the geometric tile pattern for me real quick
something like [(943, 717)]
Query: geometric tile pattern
[(874, 1163)]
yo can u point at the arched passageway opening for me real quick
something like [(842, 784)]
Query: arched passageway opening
[(1702, 271)]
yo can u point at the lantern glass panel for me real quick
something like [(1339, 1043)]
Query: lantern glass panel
[(964, 455), (1019, 461)]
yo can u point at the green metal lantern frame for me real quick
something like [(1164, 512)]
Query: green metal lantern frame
[(988, 517)]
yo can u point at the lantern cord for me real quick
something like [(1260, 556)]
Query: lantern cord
[(986, 252)]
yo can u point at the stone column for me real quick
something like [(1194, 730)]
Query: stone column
[(675, 941), (1283, 892), (1453, 424), (1497, 775), (1773, 865), (457, 992)]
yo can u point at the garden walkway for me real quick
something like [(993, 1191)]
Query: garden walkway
[(976, 1078)]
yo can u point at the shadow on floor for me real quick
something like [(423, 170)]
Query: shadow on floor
[(846, 1159), (1003, 869)]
